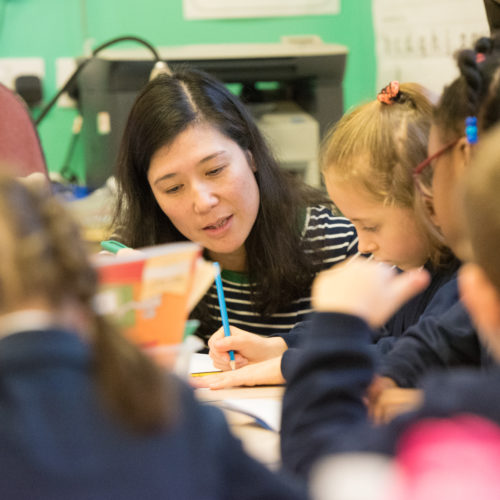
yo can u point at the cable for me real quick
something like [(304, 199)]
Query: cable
[(160, 67), (125, 39)]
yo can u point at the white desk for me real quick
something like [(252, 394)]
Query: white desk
[(260, 443)]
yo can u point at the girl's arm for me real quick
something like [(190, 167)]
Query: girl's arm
[(324, 399)]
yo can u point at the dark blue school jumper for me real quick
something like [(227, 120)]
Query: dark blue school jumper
[(58, 442), (443, 338), (323, 411), (439, 296)]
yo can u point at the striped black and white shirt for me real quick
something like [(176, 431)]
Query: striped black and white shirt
[(338, 240)]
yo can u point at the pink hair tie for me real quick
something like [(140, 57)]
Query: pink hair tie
[(389, 93), (480, 57)]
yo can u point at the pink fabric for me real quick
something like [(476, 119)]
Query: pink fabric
[(20, 149), (449, 459)]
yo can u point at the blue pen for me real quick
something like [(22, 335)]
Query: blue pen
[(223, 311)]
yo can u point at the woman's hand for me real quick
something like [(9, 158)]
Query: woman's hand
[(370, 290), (247, 347), (264, 373)]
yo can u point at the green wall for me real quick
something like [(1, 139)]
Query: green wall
[(58, 28)]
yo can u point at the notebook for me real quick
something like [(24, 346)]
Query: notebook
[(265, 412), (201, 363)]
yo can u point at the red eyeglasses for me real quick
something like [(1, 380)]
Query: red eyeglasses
[(423, 175)]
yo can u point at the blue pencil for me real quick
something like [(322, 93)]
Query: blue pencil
[(223, 310)]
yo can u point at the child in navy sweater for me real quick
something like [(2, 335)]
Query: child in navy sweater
[(324, 411), (83, 413), (448, 340)]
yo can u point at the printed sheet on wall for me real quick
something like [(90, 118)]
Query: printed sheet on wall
[(219, 9), (416, 39)]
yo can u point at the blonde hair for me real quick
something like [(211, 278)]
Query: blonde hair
[(43, 257), (481, 186), (377, 146)]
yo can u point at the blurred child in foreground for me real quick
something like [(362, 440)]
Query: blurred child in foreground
[(83, 413)]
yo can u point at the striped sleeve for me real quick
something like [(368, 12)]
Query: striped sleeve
[(331, 239)]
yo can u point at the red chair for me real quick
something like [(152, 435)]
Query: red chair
[(20, 150)]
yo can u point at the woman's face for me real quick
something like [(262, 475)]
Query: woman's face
[(205, 184), (389, 233)]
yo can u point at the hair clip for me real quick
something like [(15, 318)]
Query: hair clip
[(390, 93), (471, 129), (480, 57)]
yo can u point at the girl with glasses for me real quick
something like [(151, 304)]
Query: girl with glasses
[(460, 408), (468, 108)]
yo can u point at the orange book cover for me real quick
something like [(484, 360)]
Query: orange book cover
[(146, 292)]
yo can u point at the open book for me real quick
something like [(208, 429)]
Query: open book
[(148, 292), (265, 412)]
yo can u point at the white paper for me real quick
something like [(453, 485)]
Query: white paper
[(201, 363), (416, 39), (218, 9), (266, 412)]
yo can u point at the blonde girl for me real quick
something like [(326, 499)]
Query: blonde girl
[(367, 161)]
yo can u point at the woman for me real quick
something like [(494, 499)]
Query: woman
[(194, 166)]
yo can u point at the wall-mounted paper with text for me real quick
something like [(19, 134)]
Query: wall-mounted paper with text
[(416, 39), (219, 9)]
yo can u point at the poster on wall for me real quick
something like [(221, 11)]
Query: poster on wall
[(219, 9), (417, 39)]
